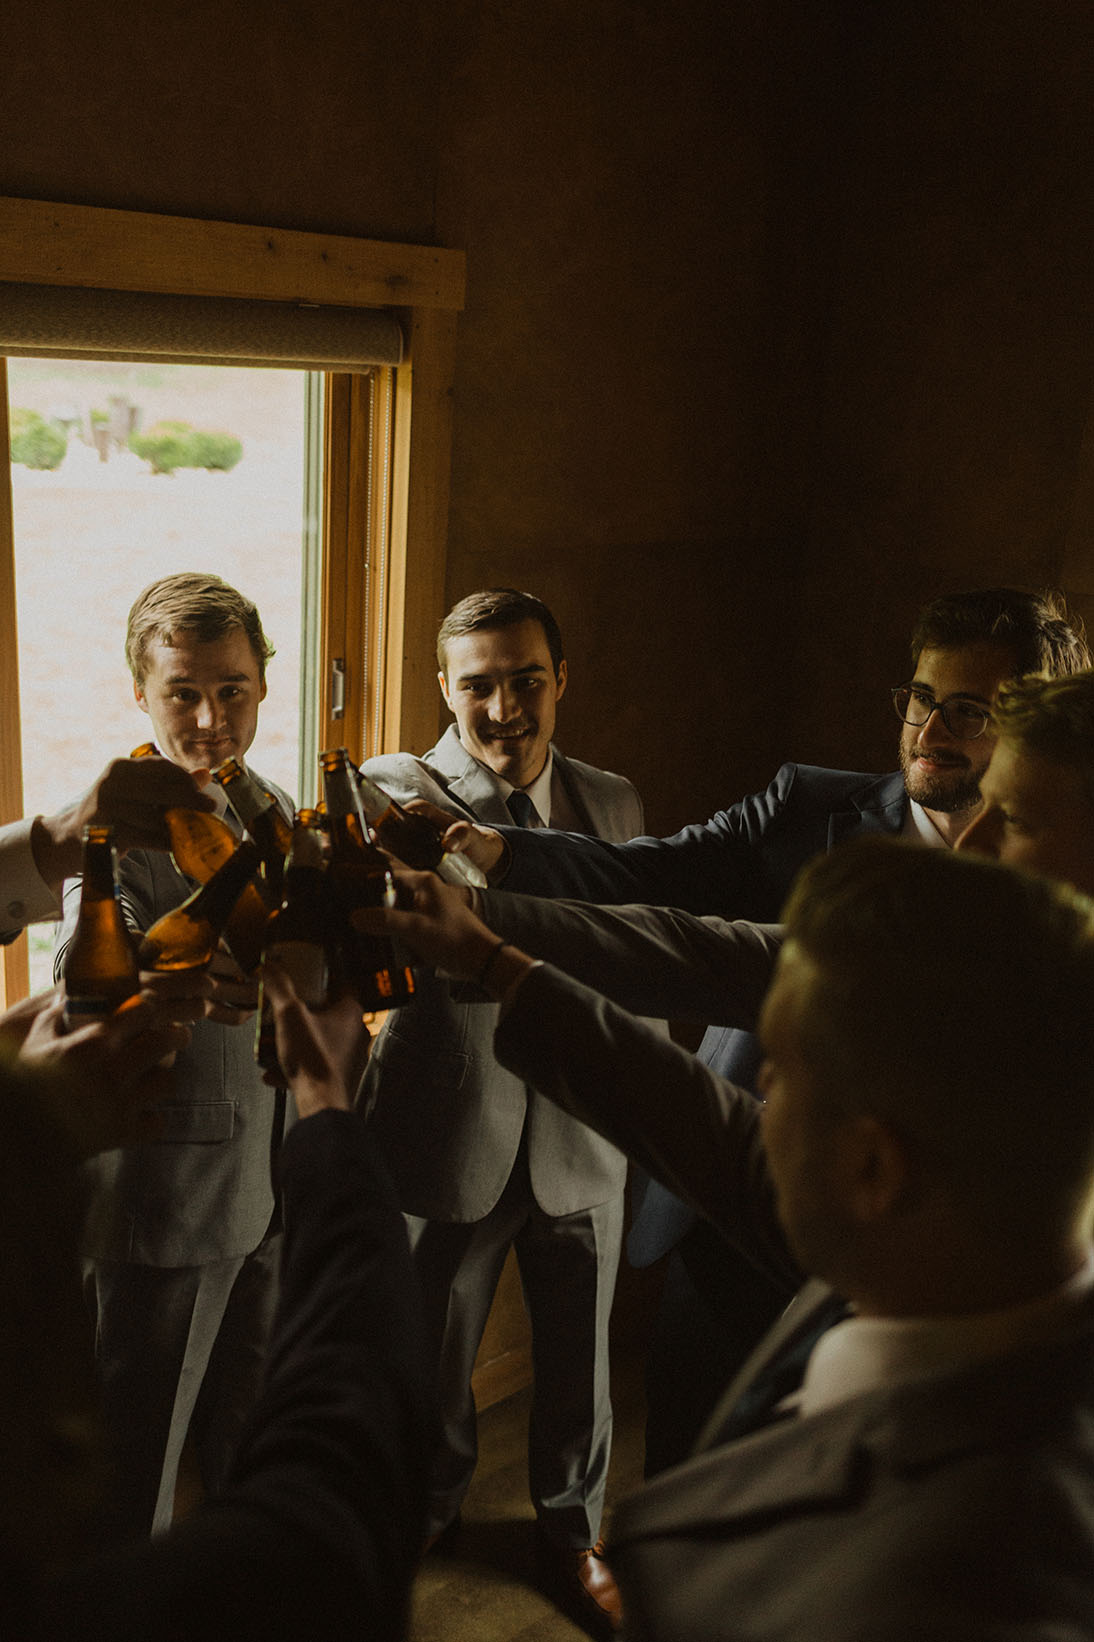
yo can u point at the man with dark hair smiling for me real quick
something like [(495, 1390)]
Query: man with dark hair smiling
[(480, 1161), (740, 865)]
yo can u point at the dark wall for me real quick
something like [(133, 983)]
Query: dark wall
[(778, 311)]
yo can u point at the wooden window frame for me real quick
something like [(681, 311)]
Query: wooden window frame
[(391, 619)]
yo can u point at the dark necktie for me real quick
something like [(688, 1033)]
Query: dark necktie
[(521, 808)]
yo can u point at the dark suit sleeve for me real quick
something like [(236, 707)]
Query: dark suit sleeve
[(651, 960), (718, 866), (318, 1531), (687, 1127)]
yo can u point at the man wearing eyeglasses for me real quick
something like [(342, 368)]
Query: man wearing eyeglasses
[(946, 744), (740, 865)]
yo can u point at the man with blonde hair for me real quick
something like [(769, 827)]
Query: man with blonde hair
[(1038, 790), (181, 1238)]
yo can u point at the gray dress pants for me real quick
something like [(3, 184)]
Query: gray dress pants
[(567, 1266), (180, 1351)]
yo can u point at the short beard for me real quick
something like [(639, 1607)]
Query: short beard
[(947, 793)]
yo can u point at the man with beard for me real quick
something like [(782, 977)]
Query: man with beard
[(481, 1162), (740, 865)]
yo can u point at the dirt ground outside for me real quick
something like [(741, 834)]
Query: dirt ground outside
[(91, 534)]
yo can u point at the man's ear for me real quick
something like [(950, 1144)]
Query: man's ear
[(560, 679), (138, 694), (876, 1168), (443, 682)]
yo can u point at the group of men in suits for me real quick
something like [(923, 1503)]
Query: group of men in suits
[(182, 1238), (930, 1479), (908, 1453), (741, 864)]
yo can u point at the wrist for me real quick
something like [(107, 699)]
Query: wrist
[(57, 850), (498, 872), (504, 970)]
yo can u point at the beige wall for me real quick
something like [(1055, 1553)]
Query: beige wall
[(778, 314)]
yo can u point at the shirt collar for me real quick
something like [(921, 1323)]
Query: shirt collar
[(919, 827), (870, 1353)]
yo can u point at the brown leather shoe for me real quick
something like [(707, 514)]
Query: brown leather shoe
[(584, 1577)]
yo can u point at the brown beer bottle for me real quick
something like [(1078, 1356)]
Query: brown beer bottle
[(200, 841), (187, 936), (359, 876), (301, 934), (258, 813), (414, 838), (100, 966)]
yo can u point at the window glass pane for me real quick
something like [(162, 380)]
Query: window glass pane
[(95, 529)]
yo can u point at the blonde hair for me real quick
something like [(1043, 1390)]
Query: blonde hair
[(1053, 718), (191, 602)]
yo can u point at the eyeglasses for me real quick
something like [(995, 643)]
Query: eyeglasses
[(963, 718)]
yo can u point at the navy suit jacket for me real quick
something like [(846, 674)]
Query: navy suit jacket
[(739, 864)]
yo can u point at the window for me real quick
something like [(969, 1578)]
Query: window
[(375, 505)]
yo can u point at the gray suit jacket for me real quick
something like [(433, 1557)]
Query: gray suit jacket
[(449, 1118), (955, 1509), (958, 1509), (203, 1191)]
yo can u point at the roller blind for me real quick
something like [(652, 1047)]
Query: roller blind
[(74, 322)]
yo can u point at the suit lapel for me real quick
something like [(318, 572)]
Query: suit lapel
[(588, 822), (477, 790), (812, 1303), (880, 806), (465, 780)]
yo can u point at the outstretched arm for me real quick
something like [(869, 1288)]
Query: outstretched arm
[(688, 1127), (651, 960), (130, 795)]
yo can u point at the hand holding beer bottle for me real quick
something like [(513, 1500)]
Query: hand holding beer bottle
[(359, 876), (260, 817), (200, 841), (414, 838), (100, 967), (301, 936), (188, 935)]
